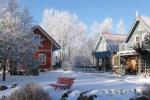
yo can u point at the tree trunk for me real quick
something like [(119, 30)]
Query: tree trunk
[(139, 65), (10, 67), (4, 71)]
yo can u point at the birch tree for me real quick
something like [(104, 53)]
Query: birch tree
[(66, 29), (120, 27), (102, 27)]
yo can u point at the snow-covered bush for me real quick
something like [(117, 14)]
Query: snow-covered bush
[(146, 90), (140, 98), (31, 91), (65, 95), (33, 71), (3, 87), (145, 93), (85, 97)]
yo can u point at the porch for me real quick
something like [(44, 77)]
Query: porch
[(103, 60), (125, 63), (129, 46), (128, 63)]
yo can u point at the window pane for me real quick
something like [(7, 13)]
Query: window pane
[(42, 58)]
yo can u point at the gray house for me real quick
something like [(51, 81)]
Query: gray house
[(106, 46), (127, 57)]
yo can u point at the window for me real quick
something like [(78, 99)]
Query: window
[(144, 35), (42, 58), (137, 38)]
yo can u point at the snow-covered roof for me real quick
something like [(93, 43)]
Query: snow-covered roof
[(55, 44), (113, 40), (146, 19)]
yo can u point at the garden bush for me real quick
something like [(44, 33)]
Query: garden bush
[(146, 90), (82, 96), (31, 91), (33, 71), (145, 93), (3, 87)]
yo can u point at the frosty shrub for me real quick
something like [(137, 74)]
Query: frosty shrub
[(85, 97), (146, 90), (65, 95), (31, 91), (139, 98), (82, 96), (145, 93), (3, 87)]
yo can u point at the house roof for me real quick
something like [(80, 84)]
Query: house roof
[(56, 46), (144, 20), (112, 40)]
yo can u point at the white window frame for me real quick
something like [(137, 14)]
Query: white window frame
[(42, 58), (135, 38), (143, 36)]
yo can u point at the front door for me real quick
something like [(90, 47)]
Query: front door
[(131, 65)]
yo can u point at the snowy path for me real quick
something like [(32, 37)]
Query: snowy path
[(104, 85)]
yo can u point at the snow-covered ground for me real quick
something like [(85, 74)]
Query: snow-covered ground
[(105, 85)]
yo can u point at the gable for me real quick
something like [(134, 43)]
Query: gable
[(101, 45), (109, 42), (139, 29), (138, 32), (38, 30)]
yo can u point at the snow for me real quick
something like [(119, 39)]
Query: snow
[(104, 85), (146, 19)]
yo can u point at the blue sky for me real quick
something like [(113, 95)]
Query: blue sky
[(92, 10)]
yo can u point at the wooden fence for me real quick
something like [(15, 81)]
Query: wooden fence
[(86, 69)]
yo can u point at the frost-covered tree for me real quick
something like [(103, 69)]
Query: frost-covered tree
[(120, 27), (106, 25), (67, 29), (102, 27), (85, 58), (17, 41)]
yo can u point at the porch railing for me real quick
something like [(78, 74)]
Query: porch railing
[(129, 46)]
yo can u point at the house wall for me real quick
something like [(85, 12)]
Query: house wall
[(131, 60), (46, 48), (139, 31), (102, 46), (103, 63)]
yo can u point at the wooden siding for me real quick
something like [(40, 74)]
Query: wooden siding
[(46, 48)]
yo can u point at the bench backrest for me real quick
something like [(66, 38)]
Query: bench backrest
[(65, 80)]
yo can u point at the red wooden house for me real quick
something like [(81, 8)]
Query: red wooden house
[(44, 54)]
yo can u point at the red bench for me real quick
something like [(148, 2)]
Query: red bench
[(63, 83)]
